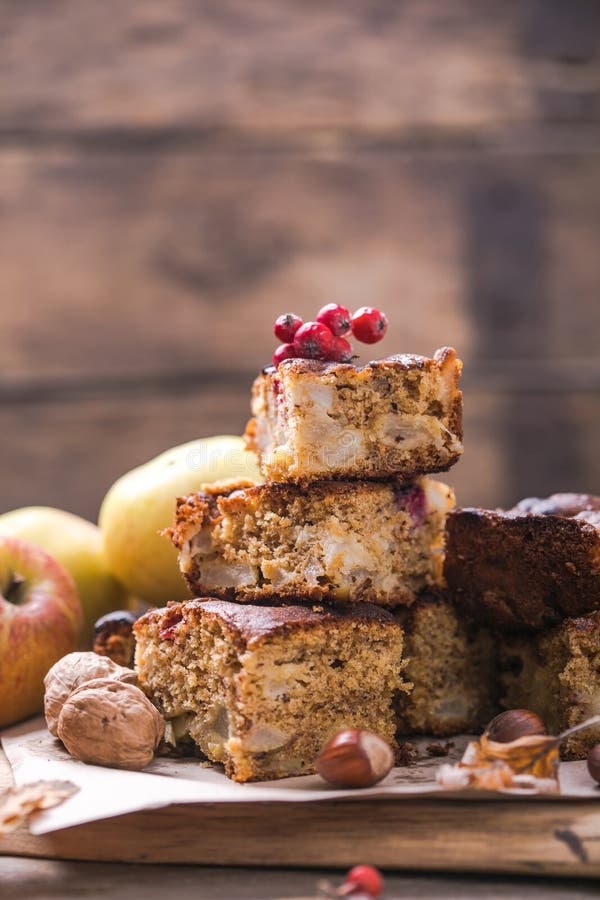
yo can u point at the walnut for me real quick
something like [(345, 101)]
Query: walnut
[(69, 673), (110, 723)]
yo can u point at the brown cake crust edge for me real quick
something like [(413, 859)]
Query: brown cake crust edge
[(253, 623), (537, 598)]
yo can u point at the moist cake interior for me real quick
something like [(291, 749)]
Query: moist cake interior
[(264, 707), (451, 662), (334, 541)]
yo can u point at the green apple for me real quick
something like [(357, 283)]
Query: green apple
[(77, 545), (142, 503)]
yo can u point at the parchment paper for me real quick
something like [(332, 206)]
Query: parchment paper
[(34, 754)]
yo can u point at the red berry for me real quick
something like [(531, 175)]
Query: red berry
[(367, 879), (368, 325), (313, 341), (336, 317), (286, 326), (284, 351), (341, 350)]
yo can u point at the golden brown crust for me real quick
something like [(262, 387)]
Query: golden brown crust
[(444, 357), (191, 512), (195, 510), (252, 623)]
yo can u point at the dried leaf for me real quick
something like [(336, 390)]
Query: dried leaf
[(530, 762), (19, 803), (533, 754)]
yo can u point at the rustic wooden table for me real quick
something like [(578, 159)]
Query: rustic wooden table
[(36, 878)]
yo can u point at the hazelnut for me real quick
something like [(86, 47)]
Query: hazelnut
[(69, 673), (113, 636), (593, 762), (110, 723), (355, 758), (514, 724)]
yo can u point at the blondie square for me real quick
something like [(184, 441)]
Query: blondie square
[(451, 661), (528, 567), (395, 417), (261, 689), (337, 541), (556, 673)]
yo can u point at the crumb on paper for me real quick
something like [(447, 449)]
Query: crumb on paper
[(405, 754), (18, 804), (439, 749)]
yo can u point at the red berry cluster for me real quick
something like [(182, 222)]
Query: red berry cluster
[(325, 338)]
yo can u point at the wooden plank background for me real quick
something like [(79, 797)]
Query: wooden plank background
[(172, 176)]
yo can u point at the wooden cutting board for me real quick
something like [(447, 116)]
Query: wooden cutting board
[(517, 836)]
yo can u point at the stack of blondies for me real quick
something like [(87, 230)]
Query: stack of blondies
[(319, 575)]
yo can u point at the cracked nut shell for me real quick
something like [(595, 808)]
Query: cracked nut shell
[(69, 673), (110, 723), (514, 724)]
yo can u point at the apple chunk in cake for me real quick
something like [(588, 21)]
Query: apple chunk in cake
[(261, 689), (379, 542), (400, 416)]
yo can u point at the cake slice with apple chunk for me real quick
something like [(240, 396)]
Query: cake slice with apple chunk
[(398, 417), (333, 541)]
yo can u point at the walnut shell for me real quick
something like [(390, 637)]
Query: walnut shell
[(110, 723), (69, 673)]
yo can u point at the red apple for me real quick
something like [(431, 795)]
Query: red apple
[(40, 621)]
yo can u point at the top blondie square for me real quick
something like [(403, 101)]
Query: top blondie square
[(398, 417)]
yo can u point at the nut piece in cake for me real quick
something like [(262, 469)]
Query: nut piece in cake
[(261, 689), (451, 662), (400, 416), (335, 541), (528, 567), (556, 674)]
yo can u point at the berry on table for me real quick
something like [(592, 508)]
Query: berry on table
[(284, 351), (341, 350), (368, 325), (286, 327), (336, 318), (313, 341), (366, 879)]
